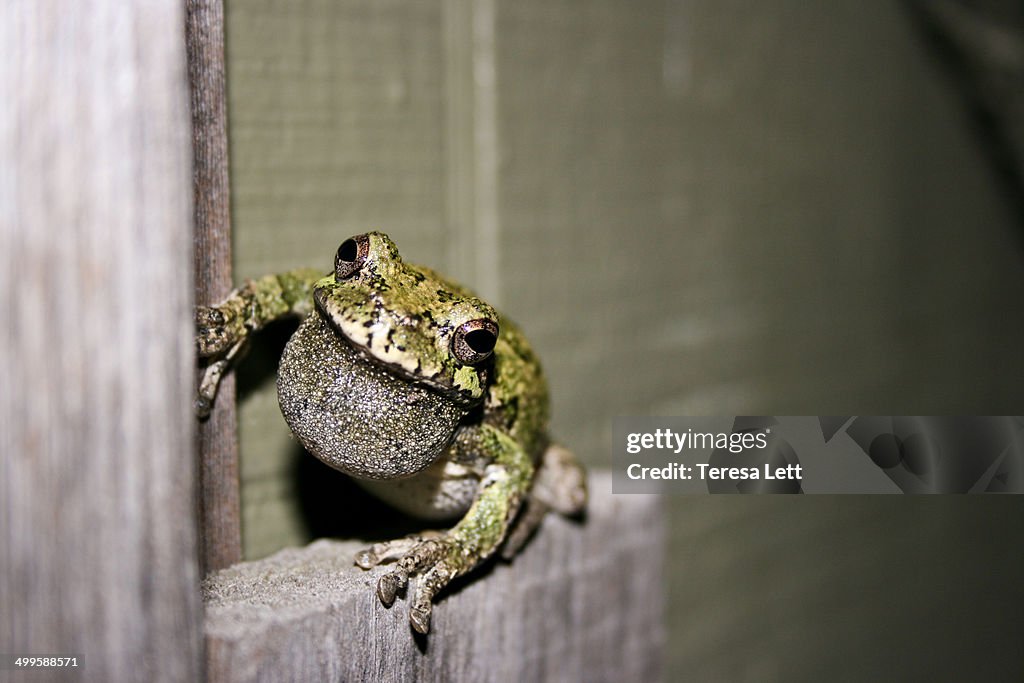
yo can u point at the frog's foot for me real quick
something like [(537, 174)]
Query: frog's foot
[(432, 557), (217, 341)]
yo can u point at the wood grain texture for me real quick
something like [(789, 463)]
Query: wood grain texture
[(220, 505), (582, 602), (98, 554)]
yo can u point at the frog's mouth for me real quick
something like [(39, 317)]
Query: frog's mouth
[(467, 392)]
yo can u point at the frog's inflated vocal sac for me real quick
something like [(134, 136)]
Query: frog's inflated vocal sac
[(418, 389)]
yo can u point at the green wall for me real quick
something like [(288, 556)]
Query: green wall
[(692, 208)]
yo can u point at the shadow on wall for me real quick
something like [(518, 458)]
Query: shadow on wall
[(982, 50)]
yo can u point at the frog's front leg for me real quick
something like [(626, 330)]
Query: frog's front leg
[(440, 558), (223, 330)]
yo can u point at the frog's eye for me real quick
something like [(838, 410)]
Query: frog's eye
[(474, 341), (351, 256)]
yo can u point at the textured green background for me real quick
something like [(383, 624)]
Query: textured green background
[(692, 208)]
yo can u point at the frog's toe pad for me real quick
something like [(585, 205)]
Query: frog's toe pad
[(366, 559), (390, 585), (419, 617)]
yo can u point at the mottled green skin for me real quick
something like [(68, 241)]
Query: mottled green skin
[(403, 318)]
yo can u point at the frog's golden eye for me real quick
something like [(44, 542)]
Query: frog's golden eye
[(351, 256), (474, 341)]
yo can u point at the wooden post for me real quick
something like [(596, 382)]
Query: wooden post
[(583, 602), (220, 515), (98, 556)]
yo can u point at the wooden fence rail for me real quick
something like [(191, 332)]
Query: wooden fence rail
[(582, 603)]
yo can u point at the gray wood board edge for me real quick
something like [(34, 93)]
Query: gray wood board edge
[(220, 530), (582, 602)]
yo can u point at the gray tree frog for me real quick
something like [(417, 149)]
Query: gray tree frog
[(419, 390)]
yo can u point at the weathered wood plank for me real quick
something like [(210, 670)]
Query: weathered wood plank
[(220, 513), (583, 602), (98, 552)]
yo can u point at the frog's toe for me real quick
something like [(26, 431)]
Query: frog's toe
[(209, 382), (427, 587), (203, 405), (388, 551), (366, 559), (419, 617), (389, 586)]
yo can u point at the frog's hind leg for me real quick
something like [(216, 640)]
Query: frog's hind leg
[(560, 485), (477, 536)]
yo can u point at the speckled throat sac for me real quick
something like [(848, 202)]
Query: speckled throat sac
[(353, 414)]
